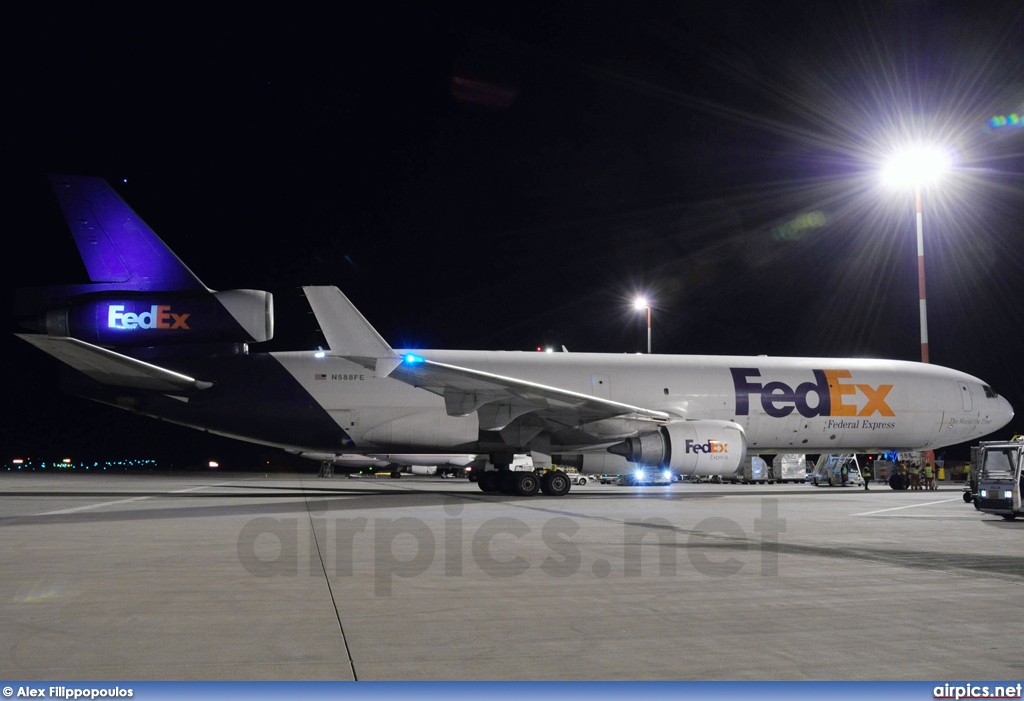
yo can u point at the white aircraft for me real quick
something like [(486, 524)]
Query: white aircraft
[(146, 335)]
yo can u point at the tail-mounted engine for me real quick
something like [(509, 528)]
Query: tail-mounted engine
[(133, 319)]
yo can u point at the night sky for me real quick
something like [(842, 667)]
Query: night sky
[(497, 176)]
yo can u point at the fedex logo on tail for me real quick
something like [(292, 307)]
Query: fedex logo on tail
[(159, 316), (826, 395)]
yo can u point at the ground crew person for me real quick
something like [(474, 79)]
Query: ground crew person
[(929, 476), (866, 474), (915, 476)]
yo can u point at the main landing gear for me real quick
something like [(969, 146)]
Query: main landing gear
[(553, 483)]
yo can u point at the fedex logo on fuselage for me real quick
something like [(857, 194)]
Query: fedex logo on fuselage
[(831, 396), (159, 316)]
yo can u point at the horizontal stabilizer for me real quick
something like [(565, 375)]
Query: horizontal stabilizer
[(110, 368), (348, 333)]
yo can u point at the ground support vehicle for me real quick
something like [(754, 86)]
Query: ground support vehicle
[(645, 476), (577, 477), (837, 470), (999, 481)]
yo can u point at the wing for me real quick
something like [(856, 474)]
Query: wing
[(110, 368), (500, 400), (520, 410), (517, 408)]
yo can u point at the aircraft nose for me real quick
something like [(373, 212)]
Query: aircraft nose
[(1003, 412)]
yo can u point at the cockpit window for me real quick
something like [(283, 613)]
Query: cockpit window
[(989, 392)]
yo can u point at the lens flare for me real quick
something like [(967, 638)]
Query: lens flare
[(916, 166)]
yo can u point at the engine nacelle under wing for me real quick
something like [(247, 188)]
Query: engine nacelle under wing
[(705, 447)]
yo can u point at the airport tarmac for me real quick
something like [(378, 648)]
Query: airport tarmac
[(239, 576)]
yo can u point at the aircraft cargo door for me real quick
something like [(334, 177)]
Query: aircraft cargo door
[(600, 386)]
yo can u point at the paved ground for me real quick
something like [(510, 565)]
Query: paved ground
[(281, 577)]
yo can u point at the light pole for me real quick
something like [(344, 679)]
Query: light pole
[(639, 304), (915, 168)]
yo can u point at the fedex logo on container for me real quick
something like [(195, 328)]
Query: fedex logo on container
[(159, 316), (831, 396)]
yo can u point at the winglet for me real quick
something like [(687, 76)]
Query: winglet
[(348, 333)]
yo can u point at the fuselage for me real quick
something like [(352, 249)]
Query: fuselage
[(307, 403)]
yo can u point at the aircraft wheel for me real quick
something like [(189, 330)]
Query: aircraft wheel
[(525, 484), (555, 484), (967, 498), (395, 474), (507, 482), (488, 482)]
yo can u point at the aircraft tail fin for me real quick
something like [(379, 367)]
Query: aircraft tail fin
[(140, 294), (116, 245)]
